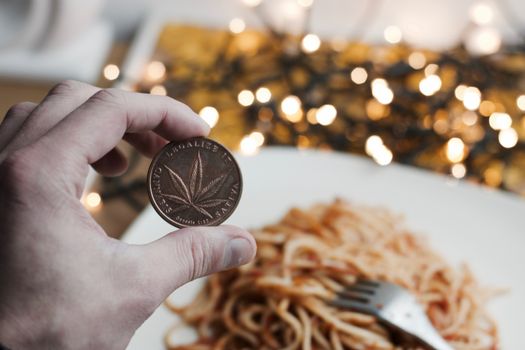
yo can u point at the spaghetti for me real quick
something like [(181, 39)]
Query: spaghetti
[(279, 300)]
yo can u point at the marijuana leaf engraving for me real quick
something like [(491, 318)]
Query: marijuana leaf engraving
[(196, 196)]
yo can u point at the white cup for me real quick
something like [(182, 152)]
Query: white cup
[(41, 24)]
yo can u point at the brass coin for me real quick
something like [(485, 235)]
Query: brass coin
[(195, 182)]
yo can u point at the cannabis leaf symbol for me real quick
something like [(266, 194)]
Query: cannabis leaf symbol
[(197, 196)]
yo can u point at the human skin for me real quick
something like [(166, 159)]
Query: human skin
[(64, 284)]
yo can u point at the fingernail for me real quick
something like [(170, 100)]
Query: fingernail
[(238, 251)]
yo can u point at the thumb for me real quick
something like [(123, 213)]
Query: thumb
[(190, 253)]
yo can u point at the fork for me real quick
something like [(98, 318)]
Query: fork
[(393, 306)]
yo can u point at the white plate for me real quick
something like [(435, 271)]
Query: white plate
[(477, 225)]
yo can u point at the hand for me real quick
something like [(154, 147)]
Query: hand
[(64, 284)]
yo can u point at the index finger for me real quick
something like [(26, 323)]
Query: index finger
[(96, 126)]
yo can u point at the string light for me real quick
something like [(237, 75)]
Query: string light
[(430, 85), (263, 95), (500, 121), (158, 90), (305, 3), (376, 149), (291, 105), (458, 170), (92, 201), (508, 138), (455, 150), (469, 118), (483, 41), (338, 44), (372, 144), (481, 13), (210, 115), (486, 108), (459, 91), (383, 156), (326, 114), (310, 43), (471, 98), (417, 60), (252, 3), (258, 137), (245, 98), (393, 34), (478, 145), (520, 102), (431, 69), (248, 146), (359, 75), (381, 91), (111, 72), (237, 25), (311, 116), (493, 176), (155, 71)]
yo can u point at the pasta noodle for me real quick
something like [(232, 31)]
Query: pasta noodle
[(279, 300)]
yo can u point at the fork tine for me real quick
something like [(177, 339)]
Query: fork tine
[(350, 295), (367, 283), (356, 304), (360, 289)]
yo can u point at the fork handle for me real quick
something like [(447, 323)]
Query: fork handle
[(429, 336)]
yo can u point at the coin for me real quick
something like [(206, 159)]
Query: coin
[(195, 182)]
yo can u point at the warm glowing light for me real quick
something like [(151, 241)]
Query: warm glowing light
[(508, 138), (471, 98), (158, 90), (459, 92), (430, 85), (431, 69), (458, 170), (373, 143), (245, 98), (291, 105), (252, 3), (455, 150), (111, 72), (210, 115), (338, 44), (310, 43), (375, 148), (359, 75), (493, 176), (393, 34), (483, 41), (311, 116), (383, 156), (326, 114), (469, 118), (303, 142), (258, 137), (486, 108), (500, 121), (248, 146), (381, 91), (92, 201), (263, 95), (481, 13), (305, 3), (520, 102), (155, 71), (237, 25), (417, 60)]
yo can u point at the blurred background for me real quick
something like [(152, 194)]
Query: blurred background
[(434, 84)]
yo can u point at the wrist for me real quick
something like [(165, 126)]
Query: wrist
[(18, 333)]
